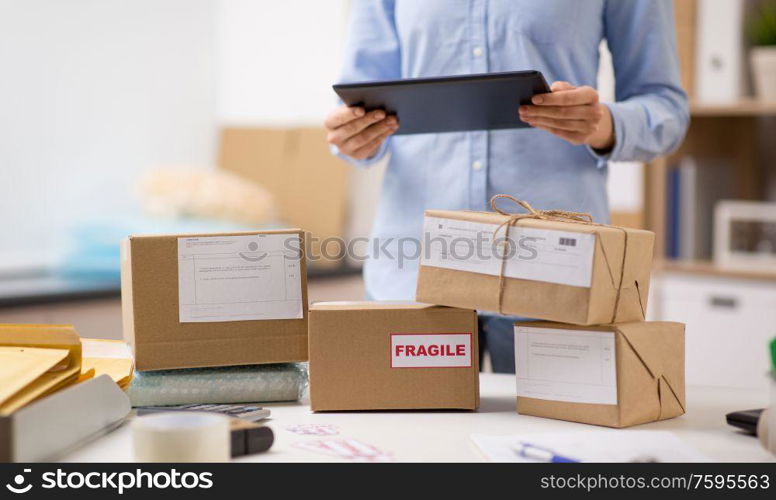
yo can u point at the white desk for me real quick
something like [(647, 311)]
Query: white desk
[(444, 436)]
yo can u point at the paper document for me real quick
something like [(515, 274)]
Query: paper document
[(534, 254), (574, 366), (593, 445), (238, 278)]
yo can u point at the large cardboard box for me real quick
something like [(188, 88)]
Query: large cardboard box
[(612, 375), (195, 300), (560, 271), (309, 185), (392, 356)]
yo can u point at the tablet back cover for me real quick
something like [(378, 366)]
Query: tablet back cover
[(449, 104)]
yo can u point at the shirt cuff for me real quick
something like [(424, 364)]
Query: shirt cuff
[(619, 135)]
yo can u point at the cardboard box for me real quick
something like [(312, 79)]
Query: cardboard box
[(392, 356), (612, 375), (215, 300), (558, 271), (308, 183)]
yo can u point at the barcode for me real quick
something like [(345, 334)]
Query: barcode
[(569, 242)]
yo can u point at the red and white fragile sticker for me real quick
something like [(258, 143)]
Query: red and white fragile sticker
[(431, 350)]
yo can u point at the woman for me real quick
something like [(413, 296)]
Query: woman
[(561, 163)]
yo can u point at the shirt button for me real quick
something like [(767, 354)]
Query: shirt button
[(477, 165), (477, 51)]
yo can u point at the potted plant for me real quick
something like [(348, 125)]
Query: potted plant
[(762, 33)]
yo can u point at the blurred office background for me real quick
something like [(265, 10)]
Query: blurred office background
[(117, 116)]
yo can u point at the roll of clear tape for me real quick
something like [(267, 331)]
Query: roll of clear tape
[(181, 437)]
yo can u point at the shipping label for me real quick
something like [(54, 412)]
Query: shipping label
[(238, 278), (534, 254), (574, 366)]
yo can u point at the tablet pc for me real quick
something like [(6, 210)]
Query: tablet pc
[(447, 104)]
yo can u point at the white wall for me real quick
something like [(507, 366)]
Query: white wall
[(278, 60), (92, 92)]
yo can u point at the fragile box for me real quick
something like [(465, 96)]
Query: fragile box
[(612, 375), (195, 300), (392, 356), (564, 271)]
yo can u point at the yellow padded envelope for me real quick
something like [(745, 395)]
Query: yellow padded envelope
[(21, 366), (38, 360)]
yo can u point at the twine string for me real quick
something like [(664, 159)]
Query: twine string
[(512, 218)]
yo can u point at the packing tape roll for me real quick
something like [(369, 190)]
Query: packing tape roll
[(181, 437)]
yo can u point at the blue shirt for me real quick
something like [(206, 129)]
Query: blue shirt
[(391, 39)]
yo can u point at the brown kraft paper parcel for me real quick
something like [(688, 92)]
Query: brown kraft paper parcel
[(159, 340), (353, 365), (649, 361), (619, 281)]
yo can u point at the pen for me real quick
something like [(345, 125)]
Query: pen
[(527, 450)]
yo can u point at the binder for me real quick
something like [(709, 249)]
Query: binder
[(719, 75)]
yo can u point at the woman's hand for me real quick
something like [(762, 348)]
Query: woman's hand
[(359, 134), (572, 113)]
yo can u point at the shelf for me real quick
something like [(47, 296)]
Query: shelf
[(745, 107), (707, 268)]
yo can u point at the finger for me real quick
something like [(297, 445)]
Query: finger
[(558, 86), (341, 134), (371, 148), (561, 85), (343, 115), (369, 134), (586, 112), (581, 126), (572, 137), (574, 97)]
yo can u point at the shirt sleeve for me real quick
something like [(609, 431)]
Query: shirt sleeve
[(651, 113), (371, 53)]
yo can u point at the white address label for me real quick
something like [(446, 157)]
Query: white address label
[(534, 254), (575, 366), (431, 350), (239, 278)]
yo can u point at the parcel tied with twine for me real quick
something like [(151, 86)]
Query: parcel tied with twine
[(544, 264)]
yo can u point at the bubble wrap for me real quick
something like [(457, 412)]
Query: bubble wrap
[(231, 384)]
